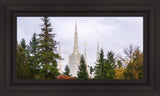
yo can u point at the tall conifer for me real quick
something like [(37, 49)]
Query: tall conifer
[(67, 71), (32, 59), (99, 68), (47, 53), (82, 73), (109, 72)]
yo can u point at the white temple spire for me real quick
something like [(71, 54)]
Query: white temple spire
[(76, 47), (59, 61), (74, 58), (85, 55)]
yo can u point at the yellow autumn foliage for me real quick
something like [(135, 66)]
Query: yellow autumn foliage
[(119, 73)]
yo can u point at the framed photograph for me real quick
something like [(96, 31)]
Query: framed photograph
[(63, 50), (79, 48)]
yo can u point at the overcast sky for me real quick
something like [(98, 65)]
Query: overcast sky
[(112, 33)]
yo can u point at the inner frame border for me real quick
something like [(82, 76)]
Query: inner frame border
[(144, 14)]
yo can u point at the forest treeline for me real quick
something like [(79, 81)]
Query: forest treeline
[(38, 60)]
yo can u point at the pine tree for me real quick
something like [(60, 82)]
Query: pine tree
[(109, 67), (47, 53), (33, 45), (32, 59), (67, 71), (23, 43), (99, 68), (82, 73)]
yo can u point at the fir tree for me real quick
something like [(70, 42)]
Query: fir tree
[(99, 68), (109, 67), (67, 71), (24, 46), (34, 67), (23, 43), (47, 53), (33, 45), (82, 73)]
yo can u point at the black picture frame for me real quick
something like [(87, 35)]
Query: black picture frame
[(149, 86)]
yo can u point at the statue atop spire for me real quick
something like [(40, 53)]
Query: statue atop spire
[(76, 47)]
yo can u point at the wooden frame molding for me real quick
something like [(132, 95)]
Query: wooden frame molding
[(10, 9)]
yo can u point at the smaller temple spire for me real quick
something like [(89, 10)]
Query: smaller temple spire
[(85, 55), (59, 61)]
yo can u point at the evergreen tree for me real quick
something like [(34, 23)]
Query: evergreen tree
[(99, 68), (91, 69), (34, 67), (47, 53), (109, 67), (23, 71), (67, 71), (104, 68), (82, 73), (33, 45), (23, 43), (24, 46)]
